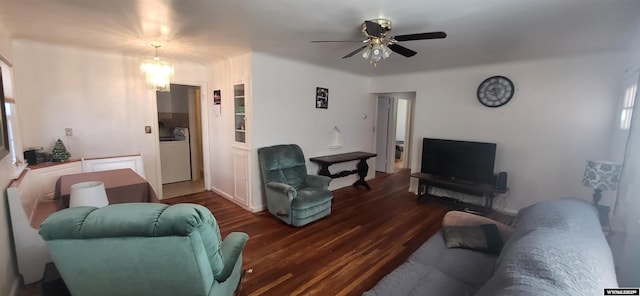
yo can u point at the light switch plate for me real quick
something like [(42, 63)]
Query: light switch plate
[(68, 132)]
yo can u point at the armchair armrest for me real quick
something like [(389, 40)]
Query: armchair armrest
[(231, 249), (317, 181), (283, 188)]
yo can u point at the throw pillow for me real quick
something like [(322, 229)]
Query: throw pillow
[(484, 238), (459, 218)]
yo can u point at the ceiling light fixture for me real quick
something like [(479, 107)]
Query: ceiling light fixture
[(158, 72), (376, 52)]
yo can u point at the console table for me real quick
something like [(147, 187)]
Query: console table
[(484, 190), (361, 168)]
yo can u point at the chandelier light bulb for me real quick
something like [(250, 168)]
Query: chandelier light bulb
[(376, 53), (366, 53), (386, 52)]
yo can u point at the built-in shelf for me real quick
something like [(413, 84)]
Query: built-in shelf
[(239, 110)]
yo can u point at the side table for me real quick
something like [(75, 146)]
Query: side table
[(361, 168)]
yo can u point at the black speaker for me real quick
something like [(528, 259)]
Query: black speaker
[(501, 181), (30, 156)]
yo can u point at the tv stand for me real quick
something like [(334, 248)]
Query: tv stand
[(477, 189)]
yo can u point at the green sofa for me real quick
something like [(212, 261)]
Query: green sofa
[(143, 249), (292, 195)]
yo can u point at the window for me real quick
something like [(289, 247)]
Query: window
[(4, 139), (629, 98), (9, 110), (11, 140)]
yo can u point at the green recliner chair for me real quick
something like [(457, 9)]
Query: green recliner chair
[(292, 195), (143, 249)]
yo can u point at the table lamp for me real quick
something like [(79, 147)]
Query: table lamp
[(601, 175), (91, 194)]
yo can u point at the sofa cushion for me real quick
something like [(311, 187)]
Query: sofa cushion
[(570, 214), (311, 197), (551, 262), (484, 238), (413, 278), (470, 267), (557, 248)]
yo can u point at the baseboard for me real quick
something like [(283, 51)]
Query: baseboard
[(231, 199)]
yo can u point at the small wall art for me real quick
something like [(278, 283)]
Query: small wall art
[(216, 97), (322, 98), (217, 101)]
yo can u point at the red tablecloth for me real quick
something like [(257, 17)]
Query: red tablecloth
[(122, 186)]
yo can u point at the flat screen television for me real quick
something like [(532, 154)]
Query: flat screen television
[(459, 160)]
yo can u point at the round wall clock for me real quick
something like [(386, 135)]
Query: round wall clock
[(495, 91)]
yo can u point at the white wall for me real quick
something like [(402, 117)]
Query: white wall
[(284, 103), (101, 95), (8, 273), (561, 115)]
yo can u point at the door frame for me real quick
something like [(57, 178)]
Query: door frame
[(408, 140), (204, 111), (390, 132), (410, 97)]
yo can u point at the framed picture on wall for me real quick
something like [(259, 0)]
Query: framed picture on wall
[(216, 97), (322, 98)]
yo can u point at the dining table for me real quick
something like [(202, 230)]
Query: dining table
[(121, 186)]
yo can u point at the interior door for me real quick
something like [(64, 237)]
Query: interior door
[(403, 130), (382, 133)]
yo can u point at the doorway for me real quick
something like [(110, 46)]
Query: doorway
[(393, 131), (180, 133)]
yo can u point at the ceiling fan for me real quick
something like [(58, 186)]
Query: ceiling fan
[(379, 46)]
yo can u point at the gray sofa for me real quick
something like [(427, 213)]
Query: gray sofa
[(556, 248)]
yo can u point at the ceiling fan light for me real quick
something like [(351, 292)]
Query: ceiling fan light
[(386, 52), (376, 53), (366, 53)]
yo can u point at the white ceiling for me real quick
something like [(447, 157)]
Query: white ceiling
[(479, 32)]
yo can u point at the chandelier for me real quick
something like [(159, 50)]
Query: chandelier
[(158, 72)]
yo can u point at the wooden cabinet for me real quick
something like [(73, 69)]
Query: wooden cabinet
[(241, 148), (241, 173)]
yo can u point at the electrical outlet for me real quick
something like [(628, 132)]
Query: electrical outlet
[(68, 132)]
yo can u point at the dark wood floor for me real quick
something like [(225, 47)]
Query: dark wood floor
[(367, 235)]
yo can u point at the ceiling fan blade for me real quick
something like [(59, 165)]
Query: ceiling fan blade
[(420, 36), (351, 41), (373, 28), (354, 52), (402, 50)]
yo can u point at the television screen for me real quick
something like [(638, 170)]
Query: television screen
[(459, 160)]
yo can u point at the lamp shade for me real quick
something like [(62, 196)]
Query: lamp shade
[(88, 194), (602, 175)]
